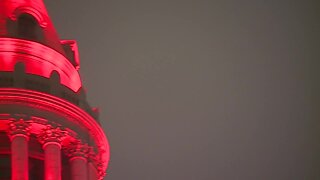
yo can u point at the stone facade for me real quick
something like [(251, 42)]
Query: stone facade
[(48, 129)]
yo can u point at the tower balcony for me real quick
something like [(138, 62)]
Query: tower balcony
[(31, 65), (38, 60)]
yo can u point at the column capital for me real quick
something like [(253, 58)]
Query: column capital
[(92, 156), (97, 162), (51, 135), (101, 172), (77, 149), (19, 128)]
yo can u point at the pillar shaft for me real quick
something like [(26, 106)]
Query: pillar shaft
[(92, 172), (51, 139), (52, 161), (19, 135), (79, 168), (19, 157), (78, 153)]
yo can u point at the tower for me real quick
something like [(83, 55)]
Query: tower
[(47, 128)]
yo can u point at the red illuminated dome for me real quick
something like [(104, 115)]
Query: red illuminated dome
[(47, 128)]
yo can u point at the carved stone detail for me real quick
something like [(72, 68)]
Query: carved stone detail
[(92, 156), (100, 170), (77, 149), (51, 134), (19, 127), (96, 160)]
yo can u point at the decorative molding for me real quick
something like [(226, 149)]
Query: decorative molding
[(63, 108), (39, 60), (19, 127), (97, 162), (32, 11), (76, 149), (101, 171), (51, 135), (92, 156)]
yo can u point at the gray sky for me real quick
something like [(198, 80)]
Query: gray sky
[(202, 90)]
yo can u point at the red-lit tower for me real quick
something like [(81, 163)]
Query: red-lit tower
[(48, 130)]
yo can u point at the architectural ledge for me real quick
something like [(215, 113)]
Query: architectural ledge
[(38, 60), (63, 108)]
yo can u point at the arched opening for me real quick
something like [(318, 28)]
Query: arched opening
[(19, 75), (28, 28), (55, 77), (19, 67), (55, 83)]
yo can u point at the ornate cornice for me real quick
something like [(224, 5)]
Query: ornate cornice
[(63, 108)]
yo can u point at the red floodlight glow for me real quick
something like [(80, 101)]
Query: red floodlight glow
[(39, 60), (13, 8), (33, 42), (62, 107)]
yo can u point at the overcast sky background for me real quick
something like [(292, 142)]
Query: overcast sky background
[(202, 89)]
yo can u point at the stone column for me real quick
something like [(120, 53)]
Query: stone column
[(19, 136), (51, 140), (95, 169), (92, 171), (78, 153)]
